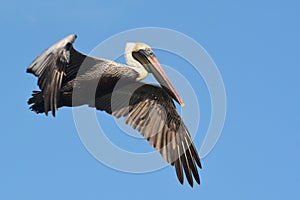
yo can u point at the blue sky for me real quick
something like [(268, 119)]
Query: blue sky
[(256, 47)]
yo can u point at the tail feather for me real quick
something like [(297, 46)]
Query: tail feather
[(36, 102)]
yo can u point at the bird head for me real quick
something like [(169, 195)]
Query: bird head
[(138, 54)]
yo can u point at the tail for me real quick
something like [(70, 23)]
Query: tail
[(37, 102)]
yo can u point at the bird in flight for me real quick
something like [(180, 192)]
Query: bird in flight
[(68, 78)]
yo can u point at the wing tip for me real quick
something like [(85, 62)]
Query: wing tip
[(71, 38)]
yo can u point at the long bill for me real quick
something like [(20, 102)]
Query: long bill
[(154, 67)]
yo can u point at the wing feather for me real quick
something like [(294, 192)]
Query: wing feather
[(152, 112), (185, 164), (50, 68)]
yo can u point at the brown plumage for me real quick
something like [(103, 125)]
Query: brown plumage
[(112, 87)]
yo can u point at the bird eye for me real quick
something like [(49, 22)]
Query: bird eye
[(149, 52)]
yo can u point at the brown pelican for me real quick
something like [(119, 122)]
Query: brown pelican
[(150, 108)]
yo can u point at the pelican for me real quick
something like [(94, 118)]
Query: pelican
[(61, 70)]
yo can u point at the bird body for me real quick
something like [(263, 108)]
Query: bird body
[(69, 78)]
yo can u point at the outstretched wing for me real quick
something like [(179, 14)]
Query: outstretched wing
[(51, 68), (151, 111), (61, 66)]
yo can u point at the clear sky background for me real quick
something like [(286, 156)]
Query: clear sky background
[(256, 47)]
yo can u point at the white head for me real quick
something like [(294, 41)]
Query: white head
[(140, 57), (134, 47)]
